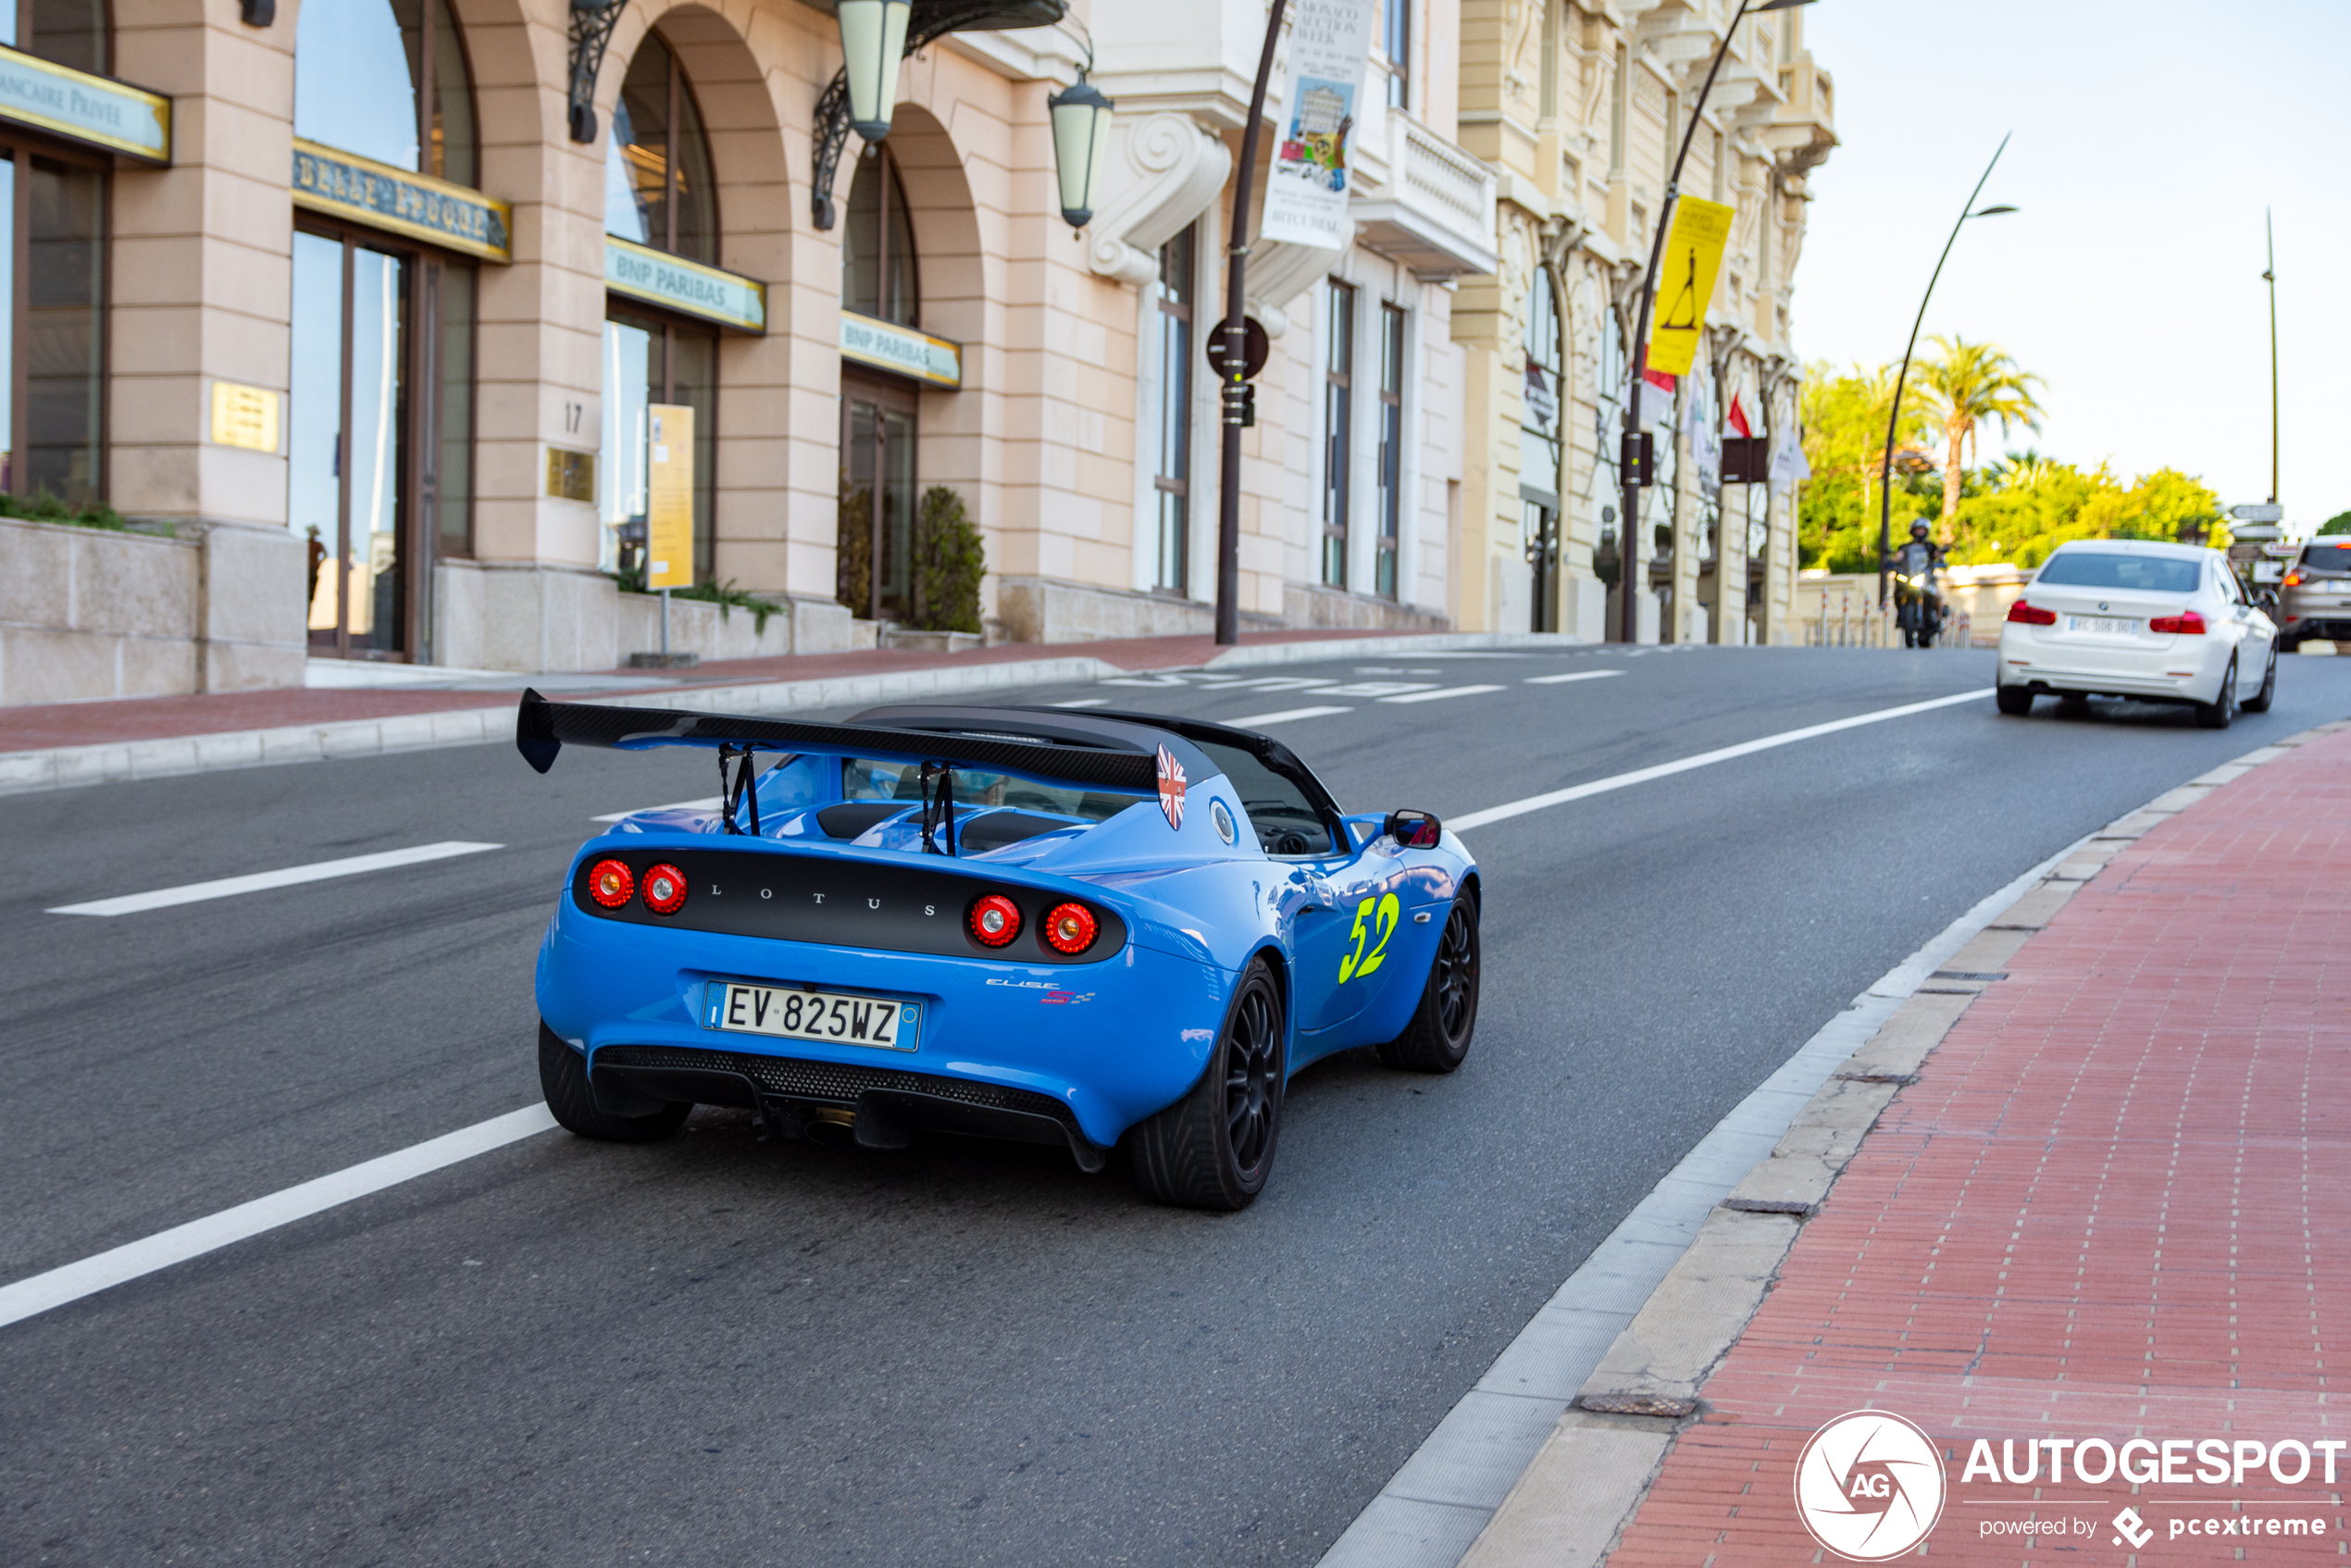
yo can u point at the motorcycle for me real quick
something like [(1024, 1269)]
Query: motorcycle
[(1917, 598)]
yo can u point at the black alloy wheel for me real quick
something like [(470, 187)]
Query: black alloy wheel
[(2259, 702), (2218, 713), (1437, 1039), (563, 1078), (1214, 1147)]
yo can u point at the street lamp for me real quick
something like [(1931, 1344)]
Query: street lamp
[(1628, 624), (1080, 116), (1894, 416), (873, 41)]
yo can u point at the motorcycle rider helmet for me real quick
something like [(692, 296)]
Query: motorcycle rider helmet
[(1919, 528)]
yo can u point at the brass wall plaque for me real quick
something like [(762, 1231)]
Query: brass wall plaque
[(571, 476), (243, 416)]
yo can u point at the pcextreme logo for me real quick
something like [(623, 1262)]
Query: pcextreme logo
[(1869, 1485)]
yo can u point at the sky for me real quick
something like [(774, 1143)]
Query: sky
[(2149, 137)]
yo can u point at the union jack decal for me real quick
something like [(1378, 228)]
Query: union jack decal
[(1170, 788)]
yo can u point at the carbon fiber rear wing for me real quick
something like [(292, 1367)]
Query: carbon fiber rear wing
[(543, 729)]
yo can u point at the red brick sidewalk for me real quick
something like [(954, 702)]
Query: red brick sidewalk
[(149, 719), (2102, 1212)]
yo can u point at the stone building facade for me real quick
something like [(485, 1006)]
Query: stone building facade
[(1578, 106), (403, 334)]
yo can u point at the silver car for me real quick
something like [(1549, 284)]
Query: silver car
[(2315, 599)]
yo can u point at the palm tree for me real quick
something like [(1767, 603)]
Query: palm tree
[(1965, 385)]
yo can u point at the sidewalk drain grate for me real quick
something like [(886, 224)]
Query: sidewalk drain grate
[(1636, 1404), (1968, 975), (1802, 1211), (1879, 1078)]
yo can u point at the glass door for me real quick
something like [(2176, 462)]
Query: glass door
[(876, 499), (350, 487)]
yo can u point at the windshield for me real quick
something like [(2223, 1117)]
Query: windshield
[(863, 779), (2094, 569), (2328, 557)]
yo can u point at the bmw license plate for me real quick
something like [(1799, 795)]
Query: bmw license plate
[(2102, 626), (793, 1014)]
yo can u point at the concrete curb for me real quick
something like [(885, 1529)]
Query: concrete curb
[(1570, 1505), (66, 767)]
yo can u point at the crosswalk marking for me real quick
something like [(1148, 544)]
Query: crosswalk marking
[(1082, 703), (1573, 674), (1253, 721), (260, 881), (708, 802)]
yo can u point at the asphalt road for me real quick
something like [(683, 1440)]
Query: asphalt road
[(719, 1351)]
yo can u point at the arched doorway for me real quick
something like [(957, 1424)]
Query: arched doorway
[(660, 192), (380, 403)]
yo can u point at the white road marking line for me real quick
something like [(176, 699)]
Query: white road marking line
[(1447, 691), (28, 1298), (1376, 689), (1577, 675), (196, 892), (1282, 718), (708, 802), (1468, 820), (1082, 703)]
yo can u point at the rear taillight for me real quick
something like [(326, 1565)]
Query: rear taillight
[(994, 919), (610, 884), (2187, 623), (2031, 615), (665, 888), (2293, 578), (1070, 929)]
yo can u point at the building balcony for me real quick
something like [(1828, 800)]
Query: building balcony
[(1433, 214), (1802, 130)]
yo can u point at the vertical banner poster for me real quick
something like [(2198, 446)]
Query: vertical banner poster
[(669, 496), (1330, 43), (1685, 282)]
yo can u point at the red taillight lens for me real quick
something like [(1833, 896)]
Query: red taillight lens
[(1071, 929), (665, 888), (2293, 578), (994, 919), (2187, 623), (610, 884), (2029, 615)]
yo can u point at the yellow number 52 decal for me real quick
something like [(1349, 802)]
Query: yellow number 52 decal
[(1382, 913)]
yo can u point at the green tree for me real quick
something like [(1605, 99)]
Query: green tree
[(1843, 420), (1964, 386), (2031, 505), (2339, 523)]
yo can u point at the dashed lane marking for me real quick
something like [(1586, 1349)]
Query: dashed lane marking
[(261, 881), (1082, 703), (1282, 718), (1446, 691), (708, 802), (1572, 675)]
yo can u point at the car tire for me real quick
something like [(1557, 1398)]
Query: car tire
[(1438, 1036), (1214, 1147), (2259, 702), (2218, 713), (2016, 701), (563, 1078)]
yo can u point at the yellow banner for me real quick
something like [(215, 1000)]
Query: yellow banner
[(1685, 282), (669, 496)]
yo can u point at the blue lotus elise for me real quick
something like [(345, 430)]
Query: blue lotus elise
[(1066, 927)]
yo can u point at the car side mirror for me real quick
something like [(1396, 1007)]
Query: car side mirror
[(1413, 830)]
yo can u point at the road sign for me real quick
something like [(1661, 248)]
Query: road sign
[(2255, 530), (2258, 512), (1257, 346)]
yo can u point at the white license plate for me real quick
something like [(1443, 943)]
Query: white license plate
[(2102, 626), (792, 1014)]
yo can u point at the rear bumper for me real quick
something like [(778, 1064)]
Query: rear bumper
[(1107, 1043), (2190, 670)]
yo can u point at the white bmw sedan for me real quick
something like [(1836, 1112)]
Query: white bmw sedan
[(2159, 623)]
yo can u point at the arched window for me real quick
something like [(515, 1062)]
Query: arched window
[(658, 189), (387, 80), (877, 273)]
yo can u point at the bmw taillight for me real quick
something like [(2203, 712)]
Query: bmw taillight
[(1070, 929), (2023, 614), (610, 884), (2187, 623), (665, 888), (994, 919)]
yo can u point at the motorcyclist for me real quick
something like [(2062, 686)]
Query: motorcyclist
[(1917, 593)]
